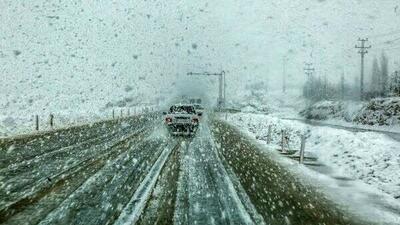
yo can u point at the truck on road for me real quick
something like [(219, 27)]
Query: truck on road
[(195, 101), (182, 119), (199, 109)]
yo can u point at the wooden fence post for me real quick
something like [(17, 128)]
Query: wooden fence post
[(113, 114), (51, 121), (302, 148), (36, 122), (269, 134), (121, 113)]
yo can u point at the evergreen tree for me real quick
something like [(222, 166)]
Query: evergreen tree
[(317, 89), (395, 84), (376, 75), (383, 81)]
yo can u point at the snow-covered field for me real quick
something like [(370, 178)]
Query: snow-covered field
[(21, 124), (368, 156)]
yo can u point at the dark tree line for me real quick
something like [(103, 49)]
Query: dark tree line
[(382, 84), (317, 89), (394, 84), (379, 78)]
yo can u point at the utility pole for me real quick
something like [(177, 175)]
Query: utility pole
[(221, 85), (342, 86), (284, 75), (362, 51), (325, 88), (309, 70), (223, 73)]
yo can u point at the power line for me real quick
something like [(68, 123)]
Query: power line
[(387, 48), (385, 34), (391, 49), (388, 43)]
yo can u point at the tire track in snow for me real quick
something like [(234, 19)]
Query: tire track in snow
[(206, 195), (63, 178), (22, 149), (99, 199), (36, 172), (160, 207), (134, 208)]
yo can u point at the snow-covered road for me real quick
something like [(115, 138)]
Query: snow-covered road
[(208, 195), (132, 171)]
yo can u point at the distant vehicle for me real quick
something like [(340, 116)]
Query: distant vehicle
[(195, 101), (182, 119), (199, 109)]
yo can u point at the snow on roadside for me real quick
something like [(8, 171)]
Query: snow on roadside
[(376, 114), (269, 101), (371, 157), (339, 110)]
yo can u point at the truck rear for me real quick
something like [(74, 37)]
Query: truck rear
[(182, 119)]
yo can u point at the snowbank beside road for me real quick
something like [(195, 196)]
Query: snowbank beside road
[(384, 111), (324, 110), (270, 102), (371, 157)]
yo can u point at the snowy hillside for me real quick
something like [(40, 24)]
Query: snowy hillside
[(380, 112)]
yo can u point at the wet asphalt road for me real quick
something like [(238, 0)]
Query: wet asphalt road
[(132, 171)]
